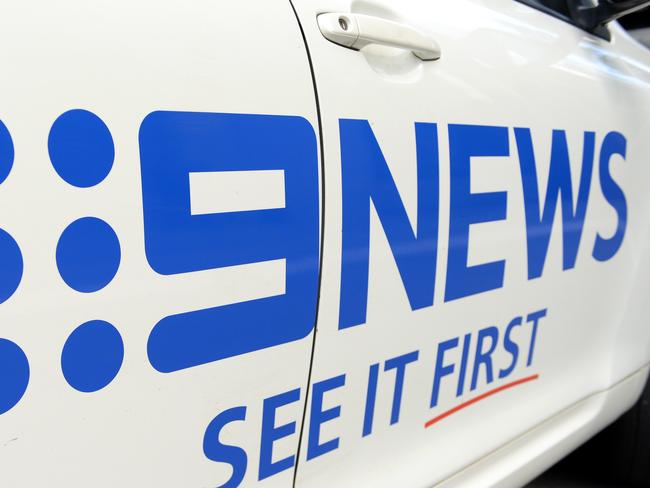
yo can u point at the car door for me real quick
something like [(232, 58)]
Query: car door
[(159, 244), (486, 213)]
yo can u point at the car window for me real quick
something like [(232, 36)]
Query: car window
[(559, 6), (561, 9)]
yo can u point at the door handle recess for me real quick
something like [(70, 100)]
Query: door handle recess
[(357, 31)]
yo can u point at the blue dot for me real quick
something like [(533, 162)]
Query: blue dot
[(88, 254), (11, 266), (14, 375), (92, 356), (6, 152), (81, 148)]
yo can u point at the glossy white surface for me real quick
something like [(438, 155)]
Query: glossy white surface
[(519, 461), (358, 31), (503, 64), (232, 191), (123, 60)]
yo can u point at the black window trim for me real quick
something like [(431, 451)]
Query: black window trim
[(600, 31)]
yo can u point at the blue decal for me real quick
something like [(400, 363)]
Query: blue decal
[(511, 347), (11, 266), (539, 224), (399, 365), (318, 416), (460, 386), (371, 396), (14, 374), (88, 254), (442, 369), (366, 177), (484, 357), (92, 356), (81, 148), (224, 453), (11, 260), (534, 318), (174, 144), (467, 208), (6, 152), (606, 248), (271, 433)]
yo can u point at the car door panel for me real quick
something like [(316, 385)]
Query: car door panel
[(164, 198), (485, 219)]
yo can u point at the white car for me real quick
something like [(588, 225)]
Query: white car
[(319, 243)]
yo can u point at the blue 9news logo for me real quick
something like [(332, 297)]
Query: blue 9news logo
[(88, 252)]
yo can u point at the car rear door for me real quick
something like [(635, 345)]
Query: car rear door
[(485, 214), (160, 242)]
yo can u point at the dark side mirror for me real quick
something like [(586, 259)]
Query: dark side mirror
[(590, 17)]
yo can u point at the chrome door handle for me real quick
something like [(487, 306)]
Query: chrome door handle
[(357, 31)]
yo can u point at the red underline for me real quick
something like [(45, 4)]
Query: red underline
[(479, 398)]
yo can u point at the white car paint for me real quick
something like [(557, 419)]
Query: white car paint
[(502, 64), (306, 398), (122, 61)]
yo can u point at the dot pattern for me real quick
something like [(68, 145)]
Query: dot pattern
[(14, 366), (14, 376), (11, 266), (92, 356), (88, 254), (6, 152), (81, 148)]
